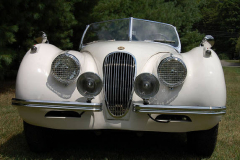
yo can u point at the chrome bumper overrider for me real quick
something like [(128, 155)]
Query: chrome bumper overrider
[(59, 105), (162, 109)]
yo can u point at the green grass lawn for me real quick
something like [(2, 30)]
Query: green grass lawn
[(228, 146), (120, 145)]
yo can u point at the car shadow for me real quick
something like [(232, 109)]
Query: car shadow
[(108, 145)]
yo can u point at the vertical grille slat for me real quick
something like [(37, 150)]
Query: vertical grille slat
[(119, 72), (113, 79), (121, 81), (127, 70)]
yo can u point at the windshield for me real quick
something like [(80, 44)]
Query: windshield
[(131, 29), (116, 30)]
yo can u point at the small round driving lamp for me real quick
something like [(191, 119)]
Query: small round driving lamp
[(146, 85), (89, 85)]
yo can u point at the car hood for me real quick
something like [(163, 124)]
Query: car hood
[(141, 51)]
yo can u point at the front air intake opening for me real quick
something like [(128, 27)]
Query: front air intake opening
[(63, 114), (165, 118)]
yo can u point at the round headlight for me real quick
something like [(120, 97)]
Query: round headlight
[(89, 84), (146, 85), (172, 71), (65, 68)]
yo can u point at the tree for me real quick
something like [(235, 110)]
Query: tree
[(238, 49), (21, 20), (7, 33), (82, 11), (229, 22), (221, 19)]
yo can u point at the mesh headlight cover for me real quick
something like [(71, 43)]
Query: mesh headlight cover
[(172, 71), (65, 68)]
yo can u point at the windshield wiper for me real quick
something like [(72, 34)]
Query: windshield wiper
[(163, 40)]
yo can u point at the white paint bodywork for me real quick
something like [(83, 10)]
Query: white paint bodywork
[(203, 86)]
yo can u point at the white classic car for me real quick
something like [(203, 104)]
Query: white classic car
[(129, 74)]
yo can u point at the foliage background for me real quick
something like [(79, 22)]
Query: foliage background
[(64, 22)]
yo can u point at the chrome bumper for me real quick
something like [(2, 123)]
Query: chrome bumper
[(64, 105), (178, 110)]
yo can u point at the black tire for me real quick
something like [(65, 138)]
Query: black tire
[(202, 143), (38, 138)]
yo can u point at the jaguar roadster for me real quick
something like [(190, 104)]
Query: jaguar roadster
[(129, 74)]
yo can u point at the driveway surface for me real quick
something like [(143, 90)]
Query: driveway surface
[(229, 64)]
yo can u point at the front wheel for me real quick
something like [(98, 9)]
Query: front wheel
[(203, 143), (38, 138)]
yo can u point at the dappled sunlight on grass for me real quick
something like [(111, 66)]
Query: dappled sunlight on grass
[(7, 92), (10, 122)]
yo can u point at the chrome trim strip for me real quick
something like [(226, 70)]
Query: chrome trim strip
[(179, 42), (162, 109), (76, 106), (130, 28), (81, 42)]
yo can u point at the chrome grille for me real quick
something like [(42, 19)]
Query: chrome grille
[(119, 72)]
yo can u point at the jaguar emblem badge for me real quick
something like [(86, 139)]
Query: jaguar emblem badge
[(121, 48)]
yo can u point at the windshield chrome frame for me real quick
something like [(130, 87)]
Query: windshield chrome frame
[(81, 42), (130, 28), (130, 31)]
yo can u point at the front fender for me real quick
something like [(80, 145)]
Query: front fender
[(34, 79), (204, 84)]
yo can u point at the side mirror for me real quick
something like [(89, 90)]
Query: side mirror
[(42, 38), (208, 41)]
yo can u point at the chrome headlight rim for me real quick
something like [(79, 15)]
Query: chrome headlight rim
[(85, 93), (59, 74), (155, 83), (163, 78)]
